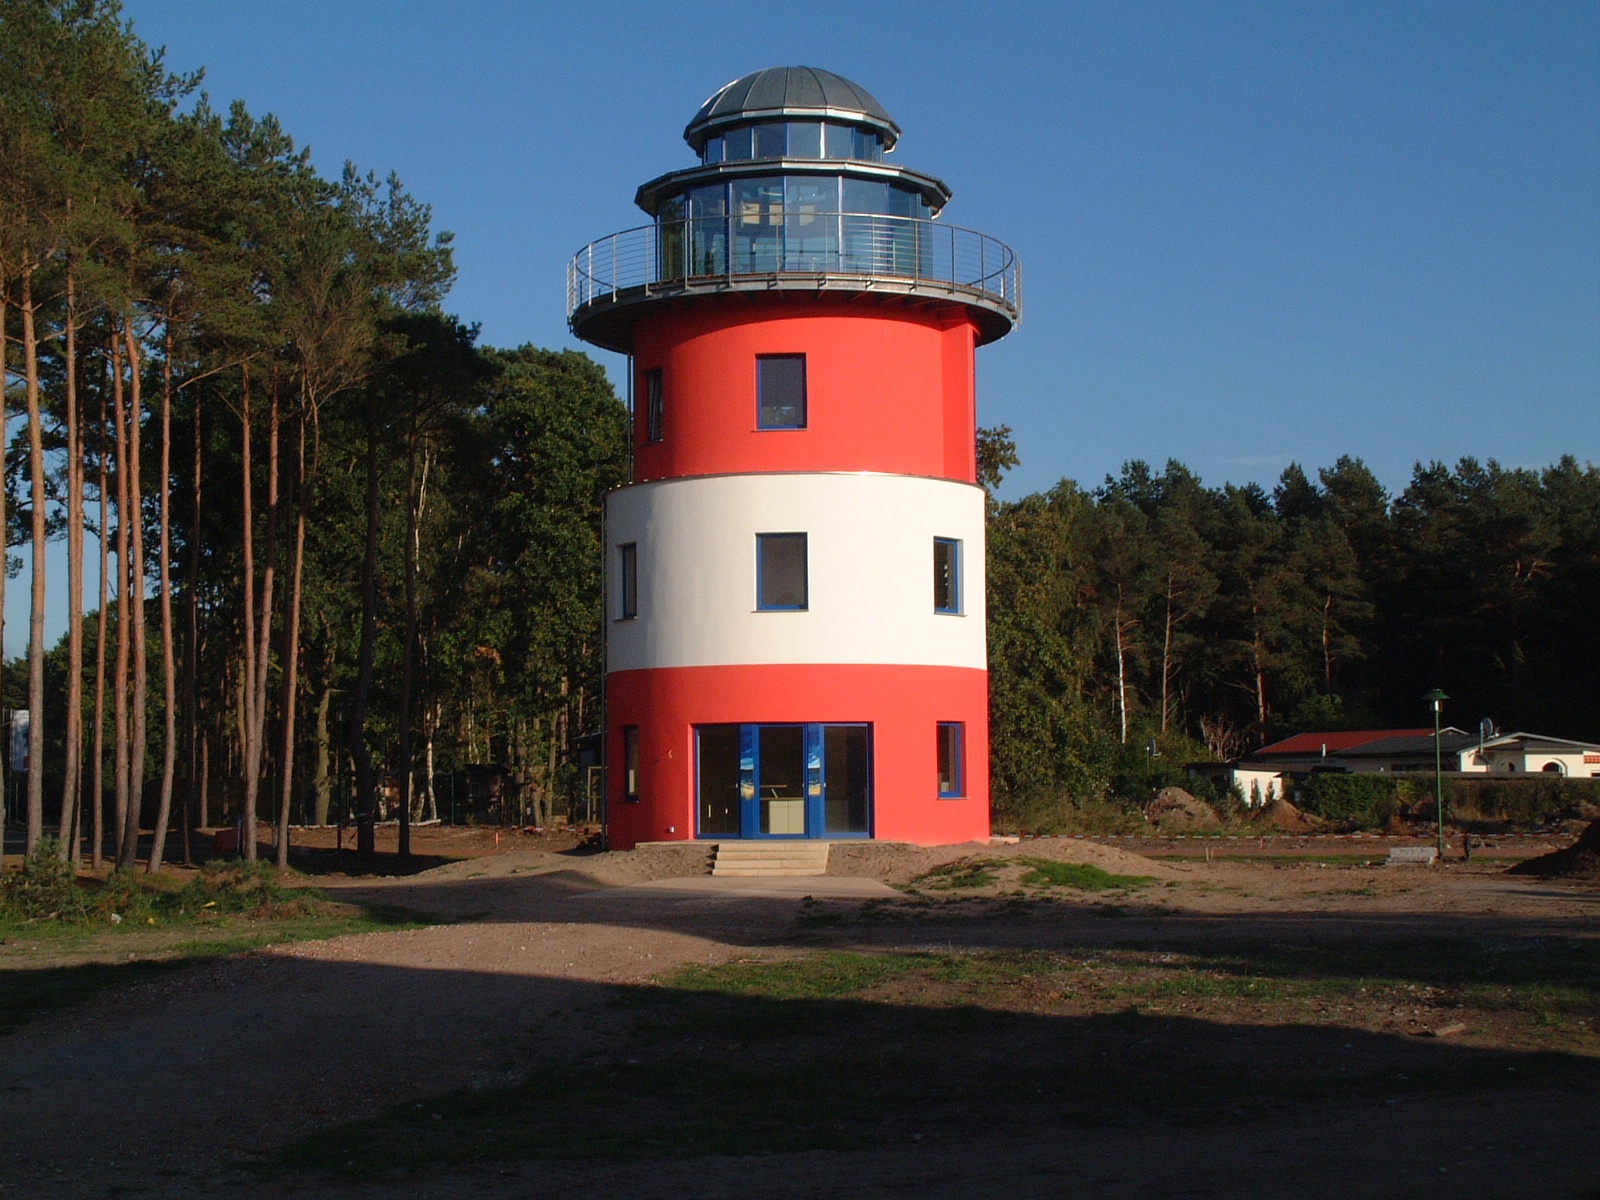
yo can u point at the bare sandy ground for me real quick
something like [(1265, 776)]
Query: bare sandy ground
[(156, 1089)]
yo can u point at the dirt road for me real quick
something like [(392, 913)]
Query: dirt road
[(161, 1089)]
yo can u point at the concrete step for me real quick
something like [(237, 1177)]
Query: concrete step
[(773, 859)]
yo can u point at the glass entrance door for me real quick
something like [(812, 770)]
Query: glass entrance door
[(783, 781)]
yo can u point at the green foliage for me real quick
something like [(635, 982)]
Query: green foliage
[(1044, 872), (43, 887), (1364, 801), (961, 874), (1217, 619)]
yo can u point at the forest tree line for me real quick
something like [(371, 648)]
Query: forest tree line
[(1154, 619), (333, 534)]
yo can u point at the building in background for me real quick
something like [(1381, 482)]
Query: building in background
[(795, 643), (1278, 769)]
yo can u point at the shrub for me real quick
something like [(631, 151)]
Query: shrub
[(1365, 801), (42, 887)]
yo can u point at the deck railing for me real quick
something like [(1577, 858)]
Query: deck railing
[(852, 248)]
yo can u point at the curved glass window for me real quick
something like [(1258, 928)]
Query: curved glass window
[(793, 139), (770, 223)]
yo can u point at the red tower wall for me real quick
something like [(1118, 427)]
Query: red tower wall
[(903, 703), (889, 388)]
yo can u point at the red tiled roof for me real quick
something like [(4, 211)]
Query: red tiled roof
[(1312, 743)]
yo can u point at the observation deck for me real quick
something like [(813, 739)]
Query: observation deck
[(612, 281)]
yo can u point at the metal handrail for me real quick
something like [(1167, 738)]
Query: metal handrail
[(850, 247)]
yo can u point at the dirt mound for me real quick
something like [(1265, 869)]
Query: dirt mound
[(900, 862), (1175, 809), (1579, 861), (1286, 818)]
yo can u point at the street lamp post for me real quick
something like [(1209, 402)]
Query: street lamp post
[(1437, 699)]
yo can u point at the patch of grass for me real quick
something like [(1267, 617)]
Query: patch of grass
[(963, 873), (842, 1050), (1044, 872), (26, 991)]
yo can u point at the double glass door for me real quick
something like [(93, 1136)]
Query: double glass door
[(797, 781)]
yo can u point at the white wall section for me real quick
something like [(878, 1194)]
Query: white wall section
[(870, 563)]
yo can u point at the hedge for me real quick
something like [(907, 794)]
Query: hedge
[(1369, 801)]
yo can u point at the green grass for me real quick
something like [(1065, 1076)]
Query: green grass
[(1043, 872), (26, 991), (842, 1050), (961, 874)]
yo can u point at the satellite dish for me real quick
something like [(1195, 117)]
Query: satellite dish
[(1486, 729)]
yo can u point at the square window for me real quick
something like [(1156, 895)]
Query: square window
[(630, 762), (951, 771), (780, 391), (781, 571), (627, 582), (652, 404), (946, 575), (772, 140)]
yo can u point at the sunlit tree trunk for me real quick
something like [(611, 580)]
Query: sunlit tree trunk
[(130, 841), (258, 701), (30, 359), (169, 676), (104, 539), (248, 691), (119, 681), (360, 753), (291, 640), (72, 785)]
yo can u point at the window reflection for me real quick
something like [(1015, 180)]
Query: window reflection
[(793, 139), (771, 223)]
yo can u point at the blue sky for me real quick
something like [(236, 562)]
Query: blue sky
[(1250, 233)]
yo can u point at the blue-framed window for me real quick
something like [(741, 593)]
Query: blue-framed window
[(781, 575), (627, 581), (652, 404), (780, 391), (946, 575), (952, 768), (630, 762)]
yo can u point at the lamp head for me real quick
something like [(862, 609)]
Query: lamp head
[(1436, 698)]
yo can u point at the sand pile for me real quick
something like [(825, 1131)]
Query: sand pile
[(1175, 810), (1286, 818), (899, 862)]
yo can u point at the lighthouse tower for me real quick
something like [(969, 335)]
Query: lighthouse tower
[(795, 637)]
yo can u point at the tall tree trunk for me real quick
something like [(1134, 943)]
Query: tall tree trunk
[(136, 732), (30, 357), (1122, 674), (5, 525), (258, 700), (1166, 661), (322, 783), (104, 538), (169, 673), (72, 785), (119, 682), (408, 646), (197, 813), (360, 753), (247, 723), (291, 637)]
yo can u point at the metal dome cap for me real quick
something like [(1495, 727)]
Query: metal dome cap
[(781, 92)]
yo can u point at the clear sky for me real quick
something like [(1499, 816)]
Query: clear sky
[(1250, 233)]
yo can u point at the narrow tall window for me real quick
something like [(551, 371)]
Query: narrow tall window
[(627, 581), (630, 762), (951, 772), (781, 391), (946, 575), (781, 571), (652, 404)]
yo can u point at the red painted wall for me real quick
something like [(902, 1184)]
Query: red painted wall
[(904, 704), (889, 388)]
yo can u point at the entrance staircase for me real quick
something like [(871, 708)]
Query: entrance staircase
[(770, 858)]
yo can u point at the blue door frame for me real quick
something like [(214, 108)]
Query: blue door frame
[(816, 815)]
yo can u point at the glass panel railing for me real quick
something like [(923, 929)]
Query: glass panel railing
[(771, 238)]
